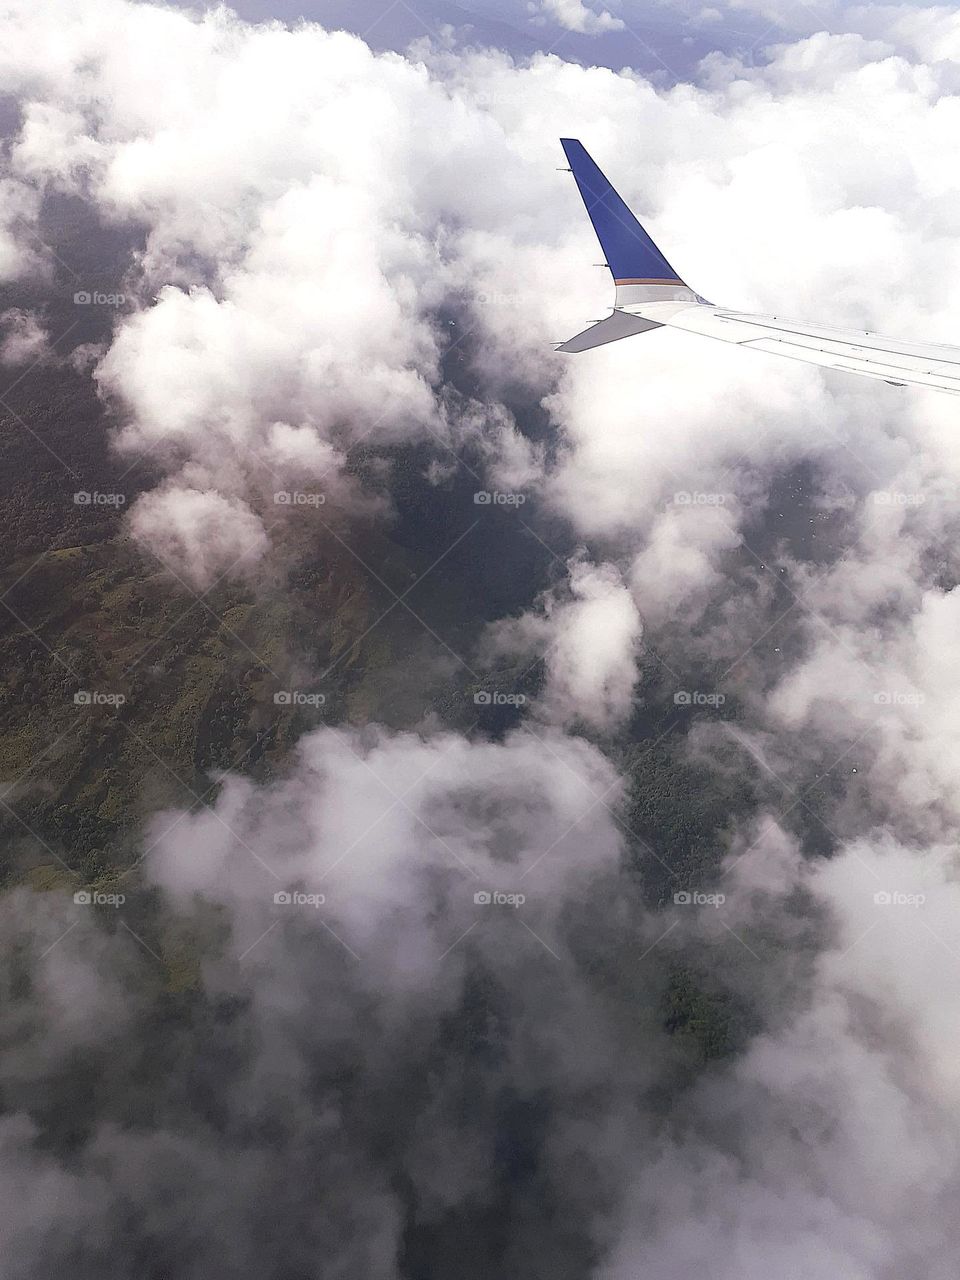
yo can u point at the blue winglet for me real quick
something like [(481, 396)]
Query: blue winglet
[(631, 255)]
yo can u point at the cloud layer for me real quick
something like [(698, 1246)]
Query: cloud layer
[(323, 230)]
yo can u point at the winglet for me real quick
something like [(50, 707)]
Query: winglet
[(631, 254), (639, 269)]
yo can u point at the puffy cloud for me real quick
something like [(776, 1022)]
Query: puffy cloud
[(305, 279), (574, 15), (199, 535), (783, 1154), (588, 637), (25, 341), (808, 1116), (21, 252), (399, 832), (301, 272)]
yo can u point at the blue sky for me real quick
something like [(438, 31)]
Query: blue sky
[(666, 41), (663, 41)]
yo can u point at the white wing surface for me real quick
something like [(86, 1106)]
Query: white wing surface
[(921, 364)]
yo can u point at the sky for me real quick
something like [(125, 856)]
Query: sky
[(322, 219)]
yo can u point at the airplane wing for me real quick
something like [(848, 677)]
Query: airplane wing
[(922, 364), (649, 290)]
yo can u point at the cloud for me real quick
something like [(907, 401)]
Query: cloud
[(574, 15), (787, 1157), (782, 1153), (300, 275), (588, 637), (25, 341), (400, 833), (199, 535), (20, 251), (481, 816), (788, 533)]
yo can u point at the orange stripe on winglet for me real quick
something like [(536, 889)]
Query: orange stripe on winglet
[(679, 282)]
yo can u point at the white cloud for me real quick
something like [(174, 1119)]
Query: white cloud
[(24, 339), (589, 637), (399, 832), (199, 535), (575, 15), (21, 252), (300, 272)]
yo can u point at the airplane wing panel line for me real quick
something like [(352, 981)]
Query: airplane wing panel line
[(801, 351), (852, 340), (853, 337), (866, 368)]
